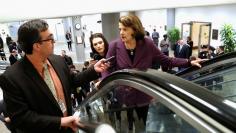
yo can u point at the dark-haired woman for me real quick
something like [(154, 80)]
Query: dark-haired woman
[(99, 46)]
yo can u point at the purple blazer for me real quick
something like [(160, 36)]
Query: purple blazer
[(146, 53)]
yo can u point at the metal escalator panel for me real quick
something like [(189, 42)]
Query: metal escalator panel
[(222, 83), (219, 60), (148, 117), (167, 103), (219, 76)]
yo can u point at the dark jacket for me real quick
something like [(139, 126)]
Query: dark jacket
[(30, 104), (68, 60), (190, 43), (183, 53), (1, 43), (8, 40), (12, 59)]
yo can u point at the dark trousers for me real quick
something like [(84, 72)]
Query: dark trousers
[(69, 46), (3, 56), (141, 112)]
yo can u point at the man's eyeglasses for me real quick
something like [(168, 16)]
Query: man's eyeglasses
[(46, 40)]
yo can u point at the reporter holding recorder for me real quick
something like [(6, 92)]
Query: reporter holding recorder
[(37, 88)]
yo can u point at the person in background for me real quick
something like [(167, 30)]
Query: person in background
[(86, 66), (211, 52), (75, 96), (68, 40), (99, 46), (155, 37), (207, 52), (133, 50), (220, 50), (8, 40), (203, 52), (1, 43), (2, 53), (19, 50), (146, 32), (182, 51), (190, 43), (12, 45), (164, 44), (67, 58), (13, 58), (86, 85), (37, 89)]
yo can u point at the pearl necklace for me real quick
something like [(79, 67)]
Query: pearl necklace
[(131, 51)]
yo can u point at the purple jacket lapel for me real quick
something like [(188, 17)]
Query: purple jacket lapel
[(139, 54), (123, 53)]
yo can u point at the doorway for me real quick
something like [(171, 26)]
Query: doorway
[(204, 35), (200, 33)]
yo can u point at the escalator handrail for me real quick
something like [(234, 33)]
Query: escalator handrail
[(225, 114), (227, 56)]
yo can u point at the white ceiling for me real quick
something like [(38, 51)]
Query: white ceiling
[(14, 10)]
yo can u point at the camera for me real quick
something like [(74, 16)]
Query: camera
[(95, 56)]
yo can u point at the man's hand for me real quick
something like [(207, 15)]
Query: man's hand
[(101, 65), (7, 119), (70, 121)]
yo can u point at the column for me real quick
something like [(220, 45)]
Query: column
[(110, 26), (78, 38), (170, 18)]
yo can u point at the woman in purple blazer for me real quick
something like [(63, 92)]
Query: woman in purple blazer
[(134, 50)]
